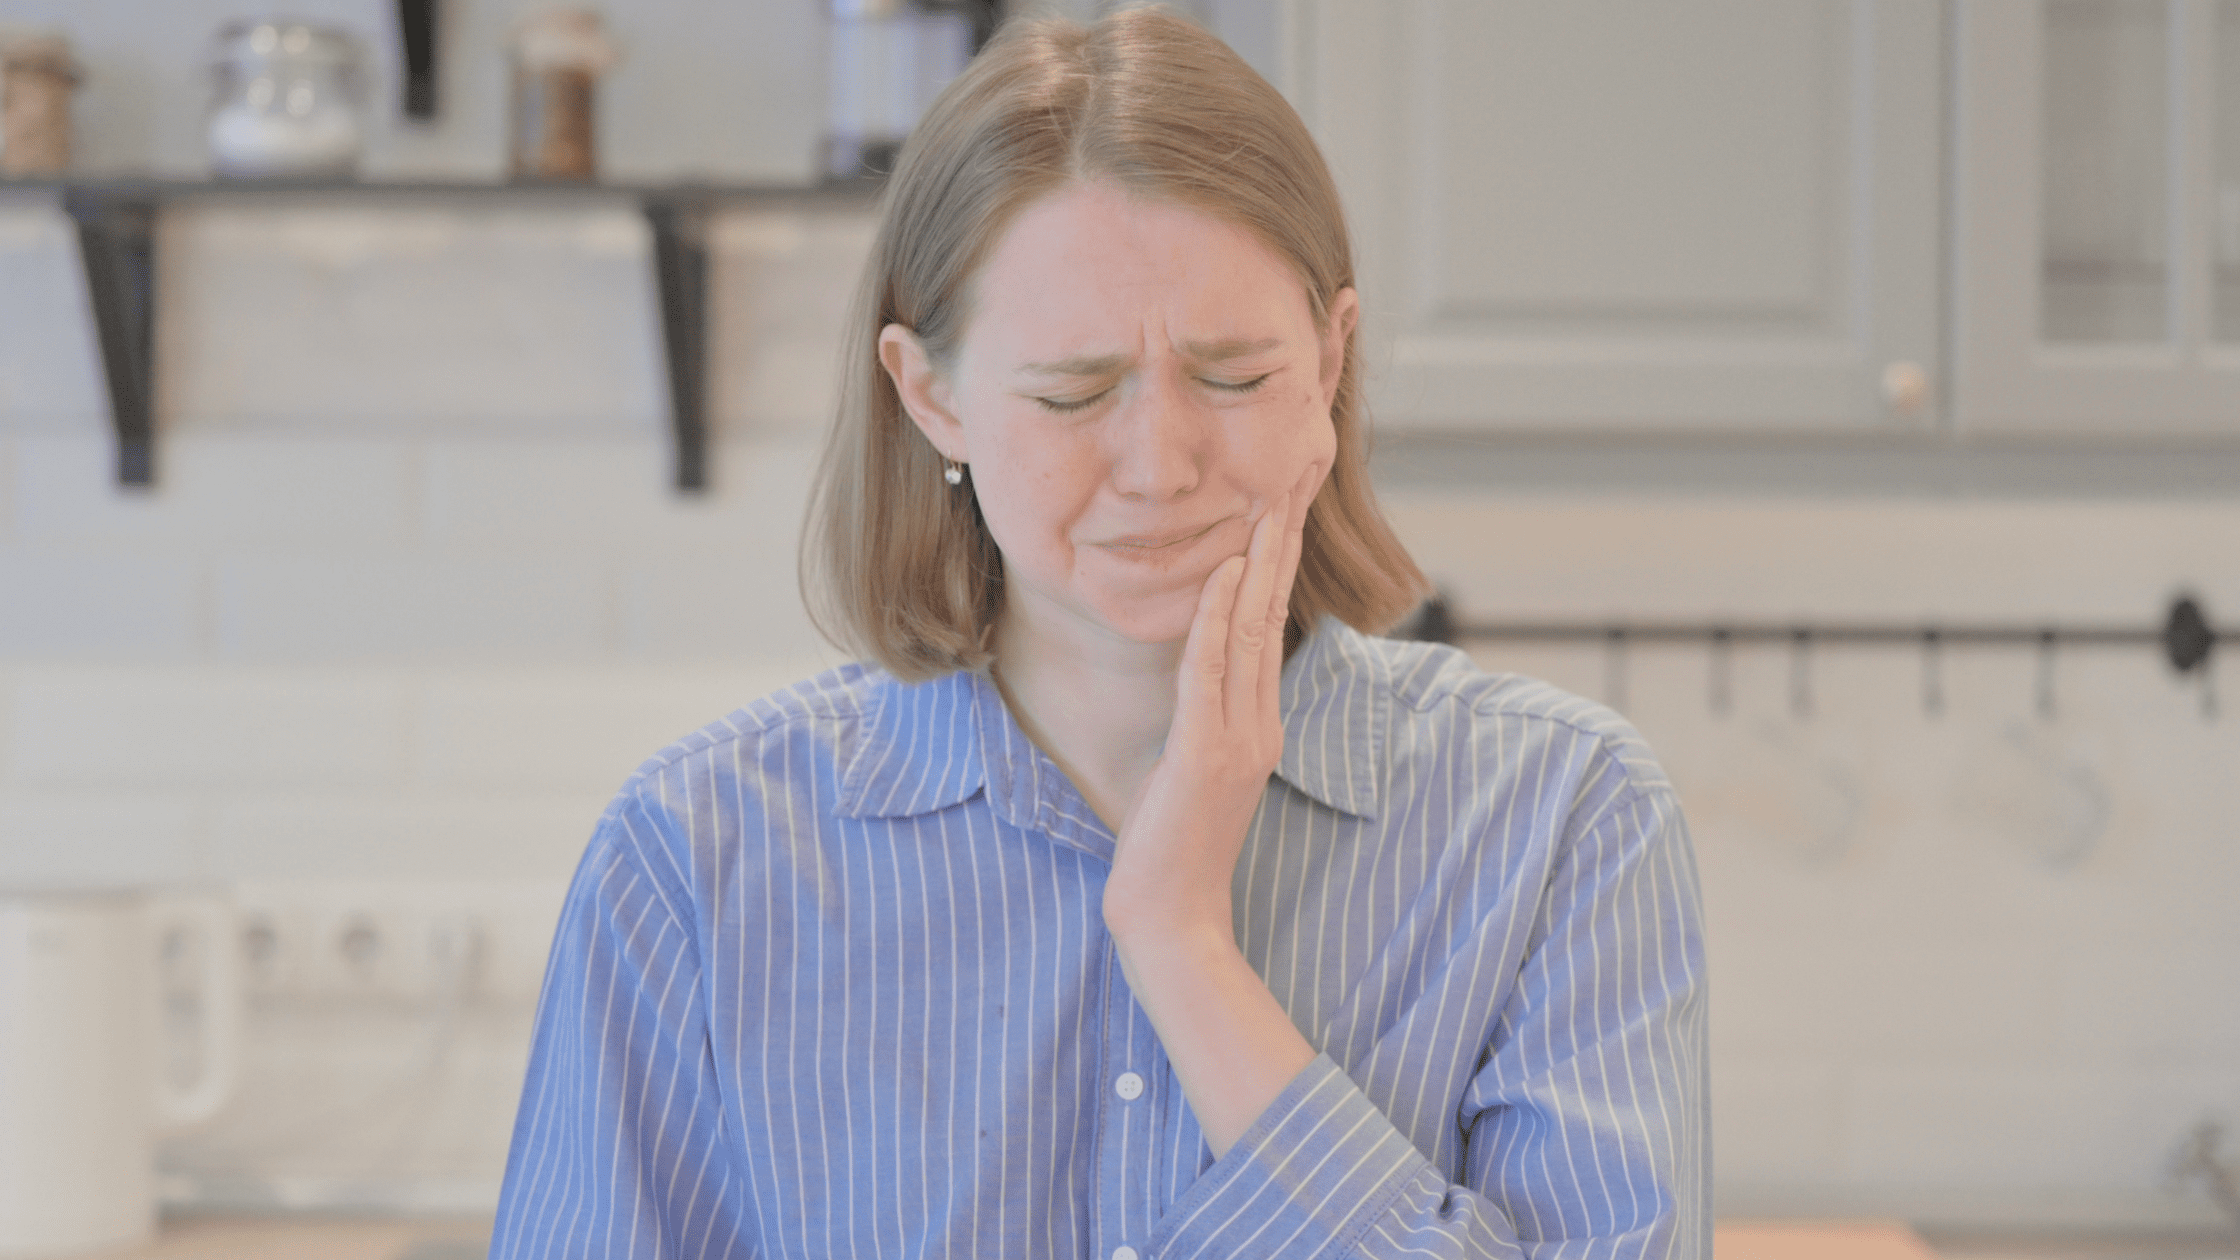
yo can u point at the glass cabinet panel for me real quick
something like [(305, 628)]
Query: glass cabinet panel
[(2105, 196), (2226, 213)]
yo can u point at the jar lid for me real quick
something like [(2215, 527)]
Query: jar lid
[(43, 51), (565, 39), (261, 39)]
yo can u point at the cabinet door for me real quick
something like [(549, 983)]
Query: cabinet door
[(2098, 176), (1608, 214)]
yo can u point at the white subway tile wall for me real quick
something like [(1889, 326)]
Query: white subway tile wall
[(204, 726), (413, 595), (103, 601), (398, 833), (218, 488)]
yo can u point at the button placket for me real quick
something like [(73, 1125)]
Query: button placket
[(1128, 1124)]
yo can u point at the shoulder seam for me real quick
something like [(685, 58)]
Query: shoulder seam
[(628, 851), (741, 723), (1485, 704)]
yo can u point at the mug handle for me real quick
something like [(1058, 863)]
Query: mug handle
[(219, 1030)]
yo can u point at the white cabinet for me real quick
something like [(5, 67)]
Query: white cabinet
[(1610, 215), (2097, 267)]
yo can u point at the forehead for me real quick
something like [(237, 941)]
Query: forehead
[(1093, 267)]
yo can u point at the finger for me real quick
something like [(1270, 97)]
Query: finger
[(1205, 654), (1248, 631), (1279, 603), (1294, 534)]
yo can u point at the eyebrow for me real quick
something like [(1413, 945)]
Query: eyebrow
[(1079, 365), (1219, 351), (1228, 348)]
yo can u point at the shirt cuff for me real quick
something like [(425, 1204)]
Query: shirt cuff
[(1306, 1179)]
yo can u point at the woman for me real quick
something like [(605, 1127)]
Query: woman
[(1132, 901)]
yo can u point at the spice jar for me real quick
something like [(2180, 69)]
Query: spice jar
[(37, 76), (890, 58), (558, 57), (288, 99)]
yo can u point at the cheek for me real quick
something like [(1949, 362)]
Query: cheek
[(1029, 491), (1300, 433)]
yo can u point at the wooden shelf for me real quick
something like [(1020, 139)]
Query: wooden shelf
[(116, 219)]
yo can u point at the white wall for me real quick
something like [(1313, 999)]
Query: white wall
[(412, 597)]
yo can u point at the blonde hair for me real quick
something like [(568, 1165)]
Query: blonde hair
[(897, 565)]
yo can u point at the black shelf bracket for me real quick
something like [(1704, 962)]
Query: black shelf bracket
[(417, 28), (116, 221), (116, 242), (680, 264)]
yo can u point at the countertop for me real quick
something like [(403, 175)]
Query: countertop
[(311, 1238), (326, 1238), (341, 1238)]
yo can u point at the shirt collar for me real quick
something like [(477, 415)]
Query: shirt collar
[(917, 749), (926, 746), (1337, 694)]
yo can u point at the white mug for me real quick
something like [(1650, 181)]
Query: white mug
[(82, 1091)]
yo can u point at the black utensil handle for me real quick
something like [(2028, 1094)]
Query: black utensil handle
[(416, 21)]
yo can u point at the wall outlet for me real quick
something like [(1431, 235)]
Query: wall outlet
[(395, 943)]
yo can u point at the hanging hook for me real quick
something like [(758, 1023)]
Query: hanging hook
[(2190, 644), (2046, 640), (1614, 668), (1800, 673), (2186, 637), (1932, 672), (1722, 671)]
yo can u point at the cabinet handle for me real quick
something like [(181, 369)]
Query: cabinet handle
[(1905, 387)]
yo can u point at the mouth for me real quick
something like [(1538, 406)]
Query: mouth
[(1147, 545)]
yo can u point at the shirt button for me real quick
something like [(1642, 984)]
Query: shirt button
[(1129, 1087), (1124, 1253)]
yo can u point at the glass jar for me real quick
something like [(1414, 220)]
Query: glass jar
[(37, 75), (890, 58), (558, 56), (289, 100)]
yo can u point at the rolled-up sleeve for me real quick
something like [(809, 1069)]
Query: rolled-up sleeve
[(618, 1149), (1587, 1125)]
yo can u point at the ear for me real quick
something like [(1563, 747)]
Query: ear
[(924, 391), (1345, 313)]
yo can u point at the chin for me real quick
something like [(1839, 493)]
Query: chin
[(1161, 618)]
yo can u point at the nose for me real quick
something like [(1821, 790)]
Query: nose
[(1160, 441)]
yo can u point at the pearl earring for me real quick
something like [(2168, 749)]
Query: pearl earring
[(952, 474)]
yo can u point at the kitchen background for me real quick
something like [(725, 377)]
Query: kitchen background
[(412, 592)]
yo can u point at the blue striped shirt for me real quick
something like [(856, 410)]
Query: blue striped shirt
[(833, 981)]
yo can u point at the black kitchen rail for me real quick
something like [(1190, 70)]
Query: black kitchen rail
[(116, 220), (2185, 639)]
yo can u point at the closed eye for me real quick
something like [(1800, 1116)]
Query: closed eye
[(1067, 406), (1241, 387)]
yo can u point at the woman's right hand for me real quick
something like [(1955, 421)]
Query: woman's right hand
[(1179, 843)]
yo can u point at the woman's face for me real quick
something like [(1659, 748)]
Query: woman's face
[(1135, 382)]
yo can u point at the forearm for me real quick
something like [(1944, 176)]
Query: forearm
[(1232, 1045)]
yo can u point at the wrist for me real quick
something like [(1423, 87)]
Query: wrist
[(1170, 940), (1145, 922)]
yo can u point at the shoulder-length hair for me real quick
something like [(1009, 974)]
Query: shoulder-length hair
[(897, 565)]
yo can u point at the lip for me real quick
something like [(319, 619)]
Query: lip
[(1156, 544)]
